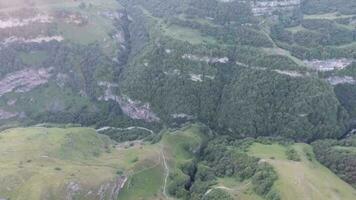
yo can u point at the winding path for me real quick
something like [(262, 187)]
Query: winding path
[(123, 129), (167, 173)]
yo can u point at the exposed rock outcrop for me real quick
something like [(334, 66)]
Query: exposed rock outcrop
[(289, 73), (107, 191), (24, 80), (268, 7), (133, 108), (16, 22), (182, 116), (72, 189), (205, 58), (336, 80), (111, 190), (328, 65), (137, 109), (38, 39)]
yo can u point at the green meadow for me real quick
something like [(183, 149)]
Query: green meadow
[(38, 163), (306, 179)]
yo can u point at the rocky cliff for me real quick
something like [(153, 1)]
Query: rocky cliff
[(267, 7)]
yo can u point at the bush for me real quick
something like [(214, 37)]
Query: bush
[(292, 154), (58, 169), (264, 179)]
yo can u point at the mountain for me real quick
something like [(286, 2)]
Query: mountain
[(227, 64), (56, 57), (234, 65), (245, 73)]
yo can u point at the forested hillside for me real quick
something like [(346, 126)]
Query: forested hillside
[(237, 72), (192, 99), (246, 68)]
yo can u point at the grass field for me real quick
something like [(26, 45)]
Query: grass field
[(45, 163), (148, 182), (145, 184), (307, 179), (187, 34), (238, 190), (268, 151), (41, 163), (180, 143)]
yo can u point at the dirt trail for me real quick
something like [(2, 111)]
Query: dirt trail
[(241, 188), (123, 129), (166, 172)]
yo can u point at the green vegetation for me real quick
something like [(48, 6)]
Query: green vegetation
[(124, 135), (338, 156), (217, 194), (186, 34), (182, 146), (273, 151), (189, 62), (304, 179), (292, 154), (145, 184), (200, 166), (33, 58), (39, 162), (208, 61), (237, 189)]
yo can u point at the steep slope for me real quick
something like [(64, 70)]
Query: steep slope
[(41, 163), (304, 179), (57, 57), (246, 68), (238, 79)]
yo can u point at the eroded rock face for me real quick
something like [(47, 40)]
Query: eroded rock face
[(133, 108), (182, 116), (267, 7), (336, 80), (18, 22), (107, 191), (71, 190), (24, 80), (38, 39), (137, 109), (289, 73), (196, 77), (328, 65), (205, 58), (26, 25)]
